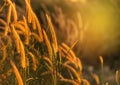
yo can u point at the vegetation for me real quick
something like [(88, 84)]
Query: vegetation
[(30, 54)]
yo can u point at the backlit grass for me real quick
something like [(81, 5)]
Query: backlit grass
[(30, 54)]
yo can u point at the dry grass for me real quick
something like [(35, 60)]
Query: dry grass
[(34, 61), (34, 56), (47, 42), (117, 77), (17, 74)]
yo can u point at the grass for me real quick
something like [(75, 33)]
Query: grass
[(30, 54)]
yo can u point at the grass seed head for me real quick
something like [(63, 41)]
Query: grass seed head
[(16, 72), (85, 82), (117, 77), (52, 32), (22, 55), (9, 14), (47, 42), (101, 59), (34, 60)]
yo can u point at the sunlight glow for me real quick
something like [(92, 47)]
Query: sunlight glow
[(101, 21)]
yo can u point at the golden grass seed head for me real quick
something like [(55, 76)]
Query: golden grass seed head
[(20, 27), (52, 32), (73, 71), (48, 60), (39, 29), (69, 50), (35, 36), (15, 16), (79, 63), (9, 14), (34, 24), (34, 60), (7, 30), (47, 42), (27, 31), (16, 37), (16, 72), (96, 77), (22, 53), (3, 22), (29, 15), (19, 45), (106, 83), (117, 77), (85, 82), (4, 55), (101, 59)]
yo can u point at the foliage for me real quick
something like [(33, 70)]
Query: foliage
[(30, 54)]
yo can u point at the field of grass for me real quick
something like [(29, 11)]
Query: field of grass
[(30, 54)]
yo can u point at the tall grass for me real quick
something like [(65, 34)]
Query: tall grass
[(30, 55)]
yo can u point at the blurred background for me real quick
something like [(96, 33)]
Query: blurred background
[(94, 23)]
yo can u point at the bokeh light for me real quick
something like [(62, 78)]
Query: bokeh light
[(101, 36)]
